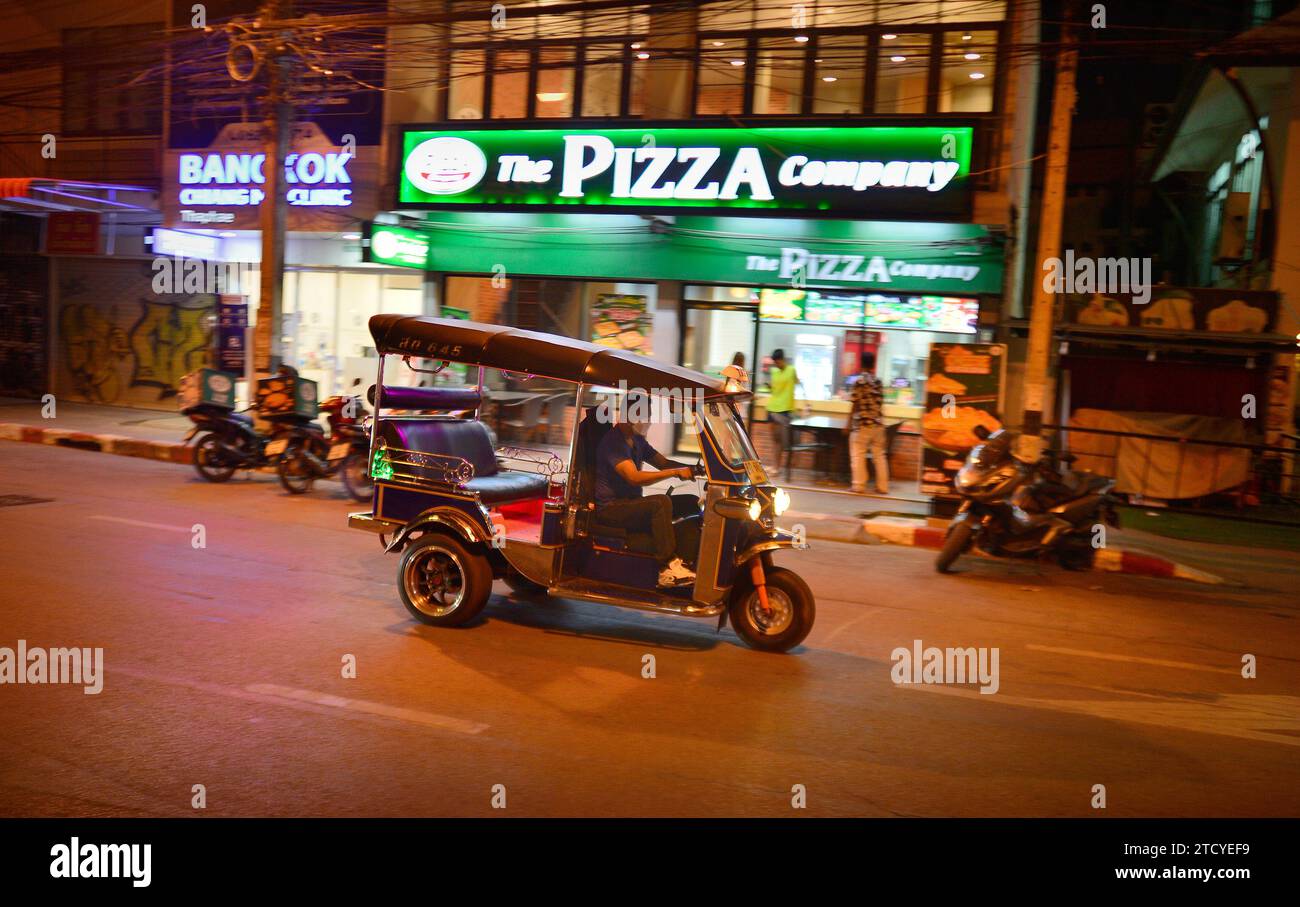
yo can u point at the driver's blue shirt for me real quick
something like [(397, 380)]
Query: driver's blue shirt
[(612, 450)]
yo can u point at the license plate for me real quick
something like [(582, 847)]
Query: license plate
[(339, 451), (276, 447), (754, 469)]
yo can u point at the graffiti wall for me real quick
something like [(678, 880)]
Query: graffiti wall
[(24, 288), (118, 341)]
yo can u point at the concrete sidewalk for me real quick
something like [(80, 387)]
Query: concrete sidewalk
[(828, 515)]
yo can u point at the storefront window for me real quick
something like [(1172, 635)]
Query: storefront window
[(721, 81), (465, 93), (966, 76), (326, 317), (555, 82), (602, 80), (902, 69), (510, 84), (839, 68), (778, 76)]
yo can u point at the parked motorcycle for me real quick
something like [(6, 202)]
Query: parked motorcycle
[(1014, 508), (311, 454), (227, 441)]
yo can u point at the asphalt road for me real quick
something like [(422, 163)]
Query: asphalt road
[(223, 668)]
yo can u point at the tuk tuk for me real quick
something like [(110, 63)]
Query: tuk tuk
[(462, 511)]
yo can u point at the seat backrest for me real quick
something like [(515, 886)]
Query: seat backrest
[(429, 398), (464, 438), (591, 431)]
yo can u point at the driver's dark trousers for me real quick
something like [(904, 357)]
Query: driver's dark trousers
[(653, 513)]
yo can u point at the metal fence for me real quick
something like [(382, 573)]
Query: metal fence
[(1245, 481)]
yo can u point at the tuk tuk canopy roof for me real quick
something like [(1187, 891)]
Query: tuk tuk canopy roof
[(532, 352)]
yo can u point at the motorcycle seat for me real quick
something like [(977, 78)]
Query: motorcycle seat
[(242, 418)]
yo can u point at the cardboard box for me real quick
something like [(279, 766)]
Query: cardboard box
[(207, 386), (283, 395)]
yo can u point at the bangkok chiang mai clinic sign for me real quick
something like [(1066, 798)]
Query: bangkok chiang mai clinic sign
[(851, 172)]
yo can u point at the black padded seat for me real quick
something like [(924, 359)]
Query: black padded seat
[(508, 485)]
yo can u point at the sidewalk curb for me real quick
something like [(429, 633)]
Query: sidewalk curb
[(914, 533), (164, 451)]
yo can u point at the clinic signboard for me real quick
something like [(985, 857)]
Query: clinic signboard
[(223, 186), (905, 172)]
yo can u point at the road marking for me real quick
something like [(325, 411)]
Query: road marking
[(1265, 718), (124, 520), (294, 698), (1135, 659), (430, 719)]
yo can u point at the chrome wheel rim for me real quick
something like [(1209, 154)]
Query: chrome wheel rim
[(435, 581), (777, 619)]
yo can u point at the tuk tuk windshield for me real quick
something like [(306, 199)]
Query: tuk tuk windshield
[(729, 432)]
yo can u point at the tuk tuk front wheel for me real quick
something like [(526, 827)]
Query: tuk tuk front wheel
[(787, 621), (442, 582)]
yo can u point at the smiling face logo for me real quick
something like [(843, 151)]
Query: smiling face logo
[(445, 166)]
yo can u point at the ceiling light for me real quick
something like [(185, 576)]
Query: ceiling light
[(719, 43), (977, 75), (348, 236), (550, 97), (972, 56), (737, 62), (965, 37), (889, 37), (801, 39), (829, 78), (643, 56), (898, 58), (636, 46)]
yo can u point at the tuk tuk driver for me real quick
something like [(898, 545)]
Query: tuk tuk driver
[(619, 480)]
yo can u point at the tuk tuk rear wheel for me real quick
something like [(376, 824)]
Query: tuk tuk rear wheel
[(442, 582), (791, 616)]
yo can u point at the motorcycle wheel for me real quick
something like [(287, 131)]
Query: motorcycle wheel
[(792, 612), (958, 540), (1075, 556), (209, 461), (355, 473), (294, 470)]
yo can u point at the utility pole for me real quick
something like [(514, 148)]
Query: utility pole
[(1049, 240), (279, 120)]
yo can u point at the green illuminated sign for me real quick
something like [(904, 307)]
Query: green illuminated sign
[(859, 172), (387, 245)]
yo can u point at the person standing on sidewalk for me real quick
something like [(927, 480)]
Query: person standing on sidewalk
[(780, 401), (867, 428)]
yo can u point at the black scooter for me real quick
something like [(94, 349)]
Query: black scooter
[(1014, 508), (227, 441)]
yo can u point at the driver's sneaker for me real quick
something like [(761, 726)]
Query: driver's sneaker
[(676, 574)]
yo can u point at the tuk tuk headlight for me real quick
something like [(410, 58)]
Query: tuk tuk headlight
[(780, 501), (755, 509)]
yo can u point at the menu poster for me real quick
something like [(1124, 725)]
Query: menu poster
[(232, 321), (964, 390), (622, 322)]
